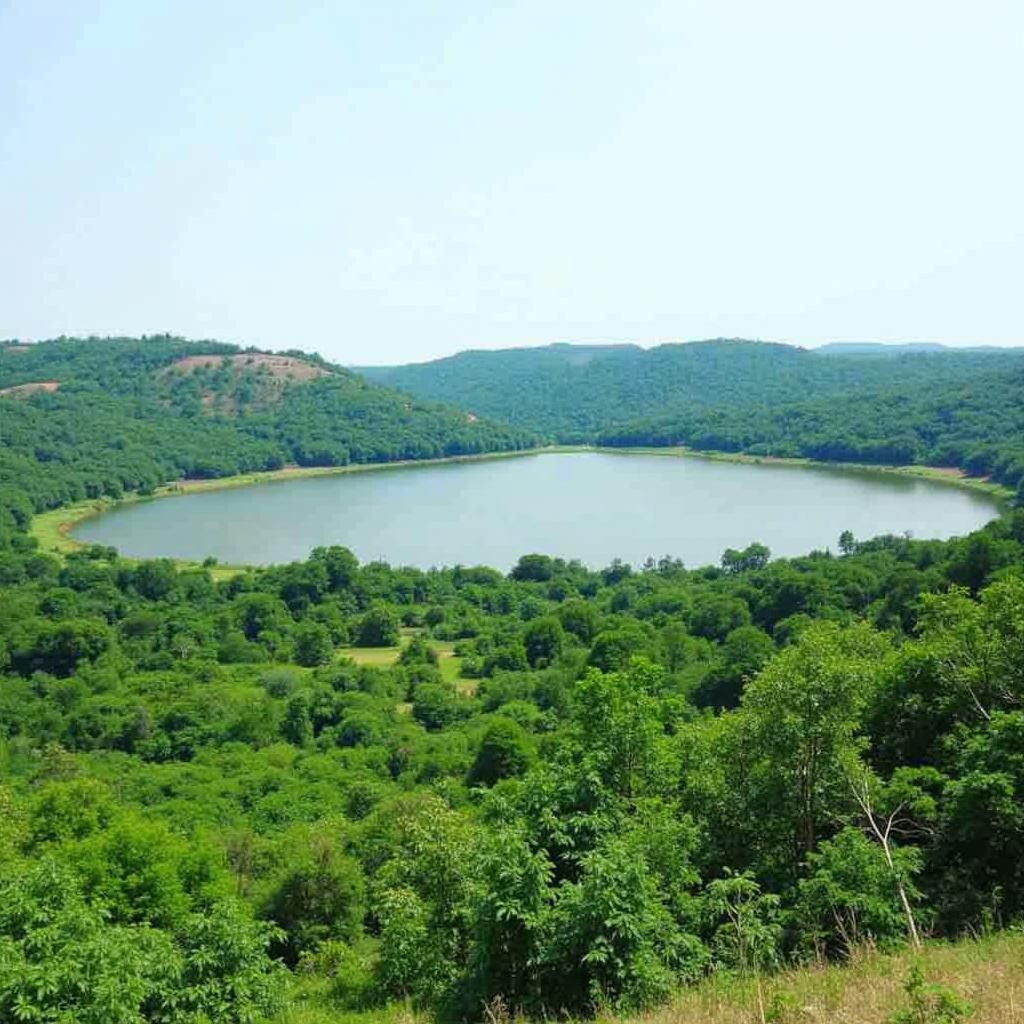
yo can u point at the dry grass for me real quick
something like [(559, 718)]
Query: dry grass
[(989, 973), (274, 374), (282, 367)]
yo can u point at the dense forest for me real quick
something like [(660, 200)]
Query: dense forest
[(321, 790), (84, 417), (962, 409)]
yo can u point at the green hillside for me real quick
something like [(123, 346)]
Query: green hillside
[(961, 409), (85, 417), (327, 792), (570, 392)]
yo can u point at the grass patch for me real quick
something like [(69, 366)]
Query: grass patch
[(449, 665), (988, 973), (377, 657)]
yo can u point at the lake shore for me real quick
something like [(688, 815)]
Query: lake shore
[(54, 529)]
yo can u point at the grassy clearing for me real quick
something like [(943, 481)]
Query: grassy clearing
[(988, 973), (53, 530), (376, 657), (385, 657), (308, 1009)]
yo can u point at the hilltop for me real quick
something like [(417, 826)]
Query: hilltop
[(570, 392), (957, 408), (880, 348), (106, 415)]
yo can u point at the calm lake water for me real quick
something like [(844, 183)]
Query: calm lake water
[(587, 505)]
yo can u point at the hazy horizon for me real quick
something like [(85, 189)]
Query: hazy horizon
[(394, 183), (588, 343)]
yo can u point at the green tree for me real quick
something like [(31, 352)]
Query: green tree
[(434, 706), (743, 653), (378, 628), (533, 568), (319, 895), (63, 960), (617, 729), (312, 644), (850, 895), (609, 939), (543, 639), (614, 648), (755, 556), (579, 618), (297, 727), (745, 921), (505, 750), (60, 647), (801, 718)]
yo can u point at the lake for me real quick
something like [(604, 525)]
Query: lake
[(594, 506)]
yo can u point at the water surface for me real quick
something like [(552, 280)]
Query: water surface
[(593, 506)]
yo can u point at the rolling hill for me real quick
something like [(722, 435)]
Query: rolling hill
[(85, 417), (957, 408)]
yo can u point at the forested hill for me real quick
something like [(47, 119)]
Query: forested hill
[(962, 408), (571, 392), (331, 792), (84, 417)]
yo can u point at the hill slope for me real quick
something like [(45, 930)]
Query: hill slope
[(950, 408), (123, 413), (571, 392)]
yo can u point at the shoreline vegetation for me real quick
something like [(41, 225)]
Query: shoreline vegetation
[(54, 529)]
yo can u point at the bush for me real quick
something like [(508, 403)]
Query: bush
[(434, 706), (849, 896), (312, 644), (930, 1004), (506, 750), (61, 959), (320, 896), (378, 628)]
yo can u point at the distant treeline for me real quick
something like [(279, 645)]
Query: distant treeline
[(945, 408)]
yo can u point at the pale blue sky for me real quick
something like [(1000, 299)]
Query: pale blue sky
[(394, 180)]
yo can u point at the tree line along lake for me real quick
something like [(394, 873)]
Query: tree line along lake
[(592, 506)]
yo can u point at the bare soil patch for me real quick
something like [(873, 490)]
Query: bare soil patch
[(279, 367), (33, 388)]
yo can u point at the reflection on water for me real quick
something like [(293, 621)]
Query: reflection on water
[(593, 506)]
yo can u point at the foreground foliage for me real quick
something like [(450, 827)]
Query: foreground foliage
[(635, 778), (654, 776)]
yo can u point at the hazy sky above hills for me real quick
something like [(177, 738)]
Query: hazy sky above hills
[(393, 181)]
